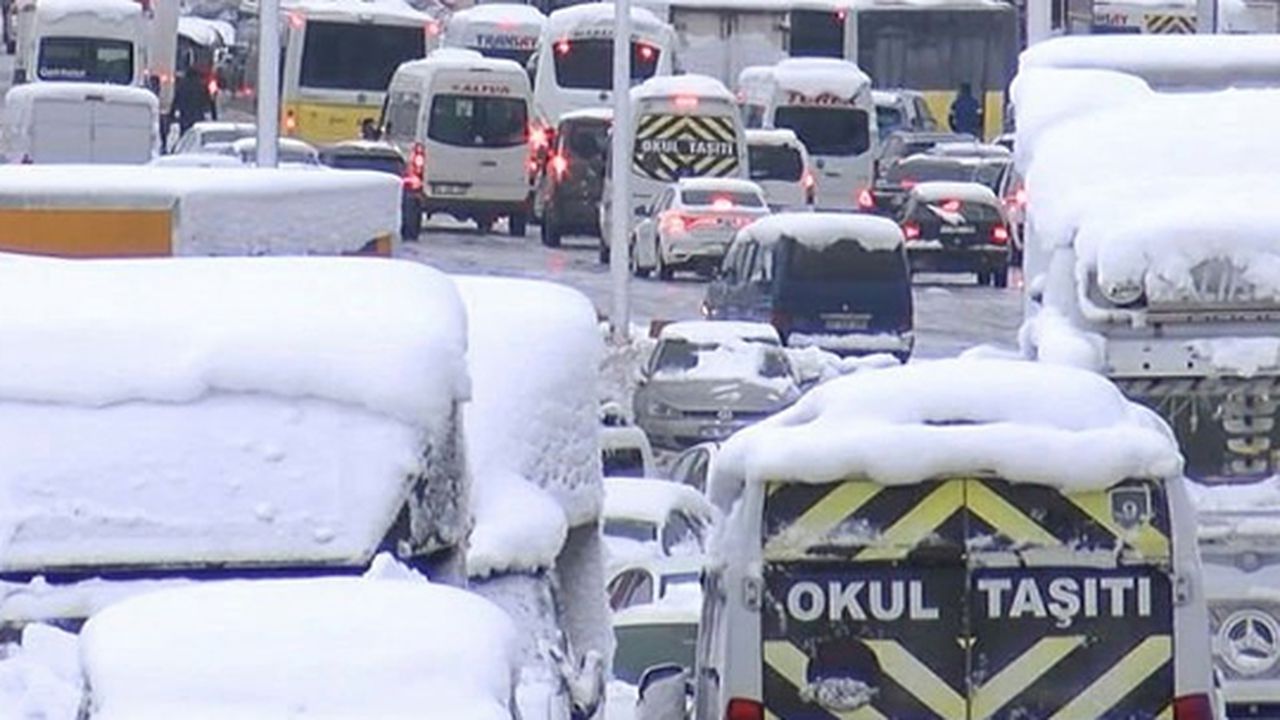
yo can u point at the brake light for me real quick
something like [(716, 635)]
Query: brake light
[(673, 224), (416, 169), (213, 87), (540, 137), (646, 52), (1020, 198), (559, 166), (951, 206), (906, 184), (999, 235), (433, 28), (841, 14), (290, 122), (686, 102), (740, 709), (722, 203), (1192, 707), (866, 201), (297, 20), (563, 47), (911, 231), (810, 185)]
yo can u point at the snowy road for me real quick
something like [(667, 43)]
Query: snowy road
[(951, 313)]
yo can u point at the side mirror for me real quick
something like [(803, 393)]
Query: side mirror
[(664, 691)]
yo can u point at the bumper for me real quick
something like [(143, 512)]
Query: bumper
[(899, 344), (700, 252), (467, 207), (931, 256), (575, 215), (678, 433)]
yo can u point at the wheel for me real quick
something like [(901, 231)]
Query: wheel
[(517, 224), (1000, 278), (410, 219), (549, 233), (663, 270), (485, 224), (634, 261), (604, 252), (984, 278)]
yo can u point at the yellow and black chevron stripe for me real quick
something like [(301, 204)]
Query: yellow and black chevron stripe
[(684, 138), (867, 521), (1160, 24)]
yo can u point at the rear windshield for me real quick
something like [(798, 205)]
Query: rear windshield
[(712, 197), (223, 136), (637, 530), (918, 170), (347, 56), (587, 140), (774, 162), (827, 131), (588, 64), (843, 261), (87, 59), (640, 647), (971, 212), (473, 121), (378, 163)]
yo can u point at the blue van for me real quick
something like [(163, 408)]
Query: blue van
[(837, 281)]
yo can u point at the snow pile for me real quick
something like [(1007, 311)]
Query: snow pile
[(595, 19), (719, 332), (1059, 342), (322, 648), (225, 211), (819, 76), (734, 360), (703, 87), (1172, 61), (40, 676), (1027, 422), (652, 500), (821, 229), (532, 427)]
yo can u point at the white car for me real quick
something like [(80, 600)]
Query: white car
[(625, 450), (780, 164), (691, 223), (653, 518), (289, 152), (655, 634), (212, 135), (649, 580), (693, 466)]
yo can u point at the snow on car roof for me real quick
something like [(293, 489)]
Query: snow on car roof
[(813, 76), (453, 58), (713, 184), (511, 15), (595, 113), (820, 229), (1174, 61), (265, 648), (664, 86), (198, 30), (969, 149), (1023, 421), (781, 137), (1043, 97), (111, 10), (20, 97), (964, 191), (284, 143), (651, 499), (351, 10), (531, 434), (719, 331), (224, 125), (599, 15)]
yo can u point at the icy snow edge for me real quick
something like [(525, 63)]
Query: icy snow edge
[(1023, 421)]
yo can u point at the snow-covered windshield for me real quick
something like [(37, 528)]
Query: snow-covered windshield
[(637, 530), (744, 358), (827, 130)]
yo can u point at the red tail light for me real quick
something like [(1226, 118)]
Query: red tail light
[(213, 86), (563, 47), (416, 169), (810, 185), (1192, 707), (866, 201), (906, 184), (559, 166), (433, 28), (740, 709), (1020, 198), (646, 52), (911, 231), (290, 122), (297, 20), (673, 224), (686, 102), (999, 235), (722, 203), (540, 137)]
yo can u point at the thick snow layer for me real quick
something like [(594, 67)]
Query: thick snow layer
[(815, 76), (719, 331), (967, 192), (20, 97), (1027, 422), (703, 87), (1176, 61), (533, 423), (597, 17), (1043, 97), (226, 211), (1057, 341), (651, 499), (40, 676), (1260, 497), (820, 229), (460, 58), (199, 31), (781, 137), (514, 17), (109, 10), (346, 9), (322, 648), (384, 335)]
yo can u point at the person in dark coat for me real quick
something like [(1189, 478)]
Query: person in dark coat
[(966, 114), (191, 100)]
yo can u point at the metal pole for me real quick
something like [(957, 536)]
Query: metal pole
[(620, 214), (268, 82)]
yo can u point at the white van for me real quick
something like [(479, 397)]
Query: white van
[(683, 126), (462, 120), (71, 122), (501, 30), (954, 539), (97, 41), (574, 69), (828, 103), (779, 163)]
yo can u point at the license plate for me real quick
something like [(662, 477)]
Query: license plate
[(954, 230), (846, 322), (448, 189)]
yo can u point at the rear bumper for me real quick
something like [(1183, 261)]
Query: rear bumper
[(855, 343), (934, 258), (678, 433), (699, 252), (468, 208)]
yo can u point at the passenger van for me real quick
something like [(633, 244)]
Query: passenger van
[(836, 281), (779, 163), (74, 122), (574, 66), (684, 126), (462, 120), (928, 541), (102, 41), (500, 30), (828, 104)]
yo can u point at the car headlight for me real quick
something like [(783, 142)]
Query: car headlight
[(1122, 293), (658, 408)]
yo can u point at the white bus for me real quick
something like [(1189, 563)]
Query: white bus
[(509, 31), (828, 104), (338, 58), (574, 69), (100, 41)]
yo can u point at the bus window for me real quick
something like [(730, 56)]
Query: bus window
[(588, 64), (86, 59), (827, 130), (935, 49), (817, 33), (345, 56), (473, 121)]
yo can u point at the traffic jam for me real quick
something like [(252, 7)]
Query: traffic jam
[(835, 359)]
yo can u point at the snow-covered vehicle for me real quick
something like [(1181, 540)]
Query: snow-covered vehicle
[(533, 451), (625, 451), (289, 151), (93, 41), (654, 518), (705, 380), (211, 135), (657, 633), (149, 211), (498, 30), (957, 227), (693, 466), (647, 580), (690, 225), (339, 648), (77, 122), (210, 418), (960, 538), (779, 163)]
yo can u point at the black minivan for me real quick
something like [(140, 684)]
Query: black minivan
[(837, 281), (568, 193)]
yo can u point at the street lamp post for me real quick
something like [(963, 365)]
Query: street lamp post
[(620, 201), (268, 82)]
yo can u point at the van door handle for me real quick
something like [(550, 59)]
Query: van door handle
[(489, 163)]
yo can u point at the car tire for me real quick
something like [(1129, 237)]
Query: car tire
[(549, 233), (1000, 278), (634, 261), (485, 224), (410, 220), (517, 223), (984, 278), (663, 270)]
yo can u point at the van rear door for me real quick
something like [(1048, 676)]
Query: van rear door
[(121, 132), (61, 130), (477, 130), (973, 598)]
